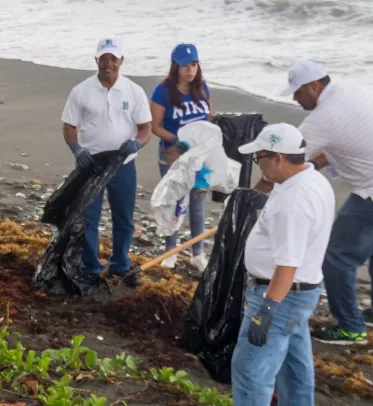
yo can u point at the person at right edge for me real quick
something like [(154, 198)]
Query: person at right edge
[(283, 257), (181, 98), (339, 132)]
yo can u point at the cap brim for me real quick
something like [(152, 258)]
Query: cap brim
[(185, 61), (249, 148), (116, 54), (288, 91)]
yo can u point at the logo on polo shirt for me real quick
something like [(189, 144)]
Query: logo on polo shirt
[(124, 105), (274, 139)]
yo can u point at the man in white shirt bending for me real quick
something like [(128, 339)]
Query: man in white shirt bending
[(283, 257), (339, 131), (108, 112)]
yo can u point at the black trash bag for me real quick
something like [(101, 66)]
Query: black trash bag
[(214, 316), (238, 130), (60, 269)]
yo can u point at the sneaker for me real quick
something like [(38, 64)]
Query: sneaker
[(336, 335), (368, 317), (169, 262), (199, 262)]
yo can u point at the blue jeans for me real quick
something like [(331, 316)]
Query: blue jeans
[(121, 195), (196, 211), (286, 358), (350, 245)]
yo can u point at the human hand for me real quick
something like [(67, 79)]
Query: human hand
[(181, 147), (130, 147), (82, 156), (261, 322)]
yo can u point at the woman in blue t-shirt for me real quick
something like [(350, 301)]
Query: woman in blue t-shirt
[(181, 98)]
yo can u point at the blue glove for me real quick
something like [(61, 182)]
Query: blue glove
[(82, 156), (261, 322), (130, 147)]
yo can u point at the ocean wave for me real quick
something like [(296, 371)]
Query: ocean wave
[(321, 9)]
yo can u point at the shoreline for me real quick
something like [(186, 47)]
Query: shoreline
[(211, 83)]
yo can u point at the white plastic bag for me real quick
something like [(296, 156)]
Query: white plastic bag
[(170, 198)]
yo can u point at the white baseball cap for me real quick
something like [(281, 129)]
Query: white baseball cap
[(301, 73), (109, 46), (283, 138)]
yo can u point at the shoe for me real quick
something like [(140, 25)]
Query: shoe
[(199, 262), (336, 335), (131, 281), (169, 262), (368, 317)]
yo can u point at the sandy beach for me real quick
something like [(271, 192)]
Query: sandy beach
[(33, 98)]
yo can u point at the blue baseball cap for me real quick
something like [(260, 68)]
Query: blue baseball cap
[(183, 54)]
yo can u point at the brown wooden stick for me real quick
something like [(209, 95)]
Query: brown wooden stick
[(187, 244)]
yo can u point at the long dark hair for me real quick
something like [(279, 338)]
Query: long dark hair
[(196, 89)]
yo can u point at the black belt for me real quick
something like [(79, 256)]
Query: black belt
[(294, 286)]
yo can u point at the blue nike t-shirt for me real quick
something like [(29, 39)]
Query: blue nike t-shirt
[(175, 117)]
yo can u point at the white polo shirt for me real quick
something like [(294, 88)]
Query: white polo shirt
[(293, 228), (106, 118), (341, 127)]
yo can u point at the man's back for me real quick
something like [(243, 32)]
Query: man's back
[(341, 127)]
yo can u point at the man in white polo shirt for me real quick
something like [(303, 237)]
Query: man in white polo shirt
[(283, 257), (339, 131), (108, 112)]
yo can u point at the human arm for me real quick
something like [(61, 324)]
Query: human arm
[(70, 134), (158, 112), (319, 161), (71, 119), (141, 115)]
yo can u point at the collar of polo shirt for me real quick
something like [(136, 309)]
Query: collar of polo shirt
[(294, 179), (116, 85)]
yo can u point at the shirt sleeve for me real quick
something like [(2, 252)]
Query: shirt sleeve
[(71, 112), (315, 135), (159, 95), (141, 113), (288, 233)]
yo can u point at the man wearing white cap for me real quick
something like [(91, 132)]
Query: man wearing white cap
[(108, 112), (339, 131), (283, 257)]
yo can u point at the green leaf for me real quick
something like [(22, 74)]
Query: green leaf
[(107, 363), (100, 401), (64, 381), (189, 387), (181, 374), (154, 373), (77, 341), (91, 359), (83, 350), (166, 373), (3, 332), (60, 370), (29, 360), (131, 363)]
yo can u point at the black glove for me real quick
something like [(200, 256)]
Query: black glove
[(181, 147), (261, 322), (130, 147), (82, 156)]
